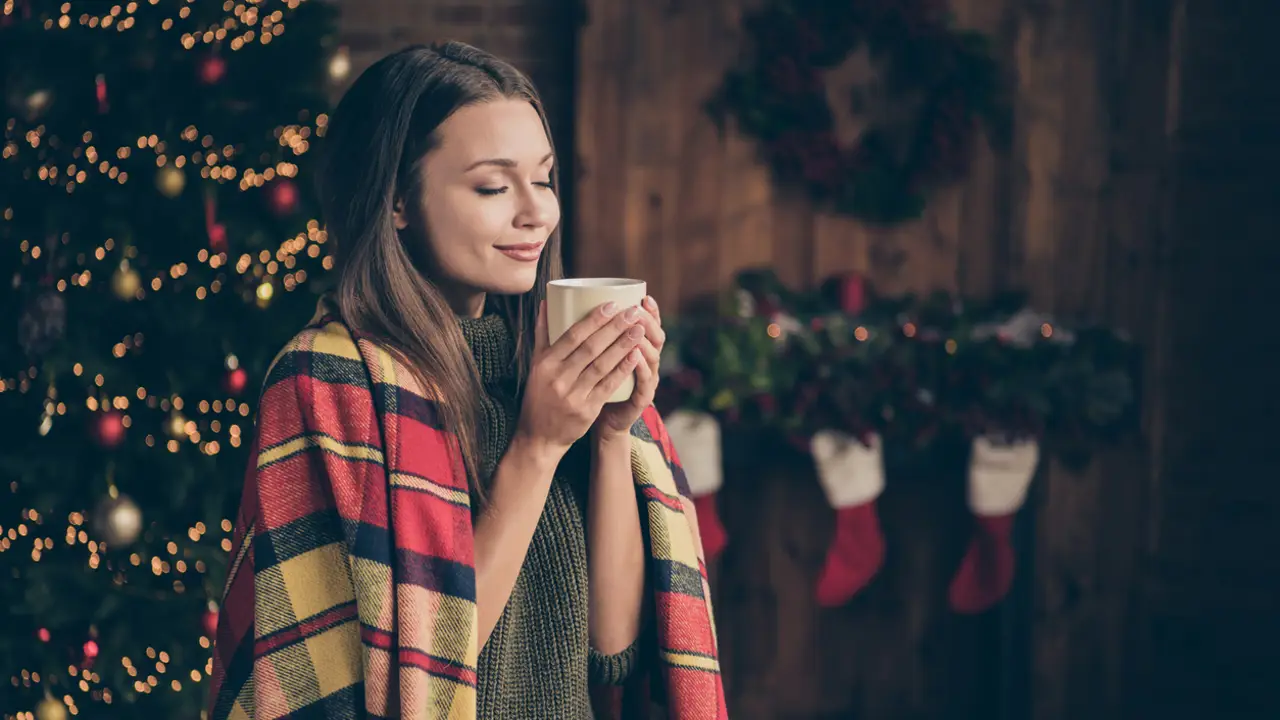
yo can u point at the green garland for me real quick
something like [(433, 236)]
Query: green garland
[(947, 80), (914, 370)]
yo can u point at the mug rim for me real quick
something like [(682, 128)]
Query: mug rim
[(595, 282)]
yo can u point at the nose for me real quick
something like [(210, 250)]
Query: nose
[(538, 210)]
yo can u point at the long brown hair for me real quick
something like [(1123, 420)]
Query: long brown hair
[(376, 141)]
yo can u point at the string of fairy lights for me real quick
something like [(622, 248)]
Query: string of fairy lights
[(265, 270), (238, 25), (218, 421), (82, 674), (84, 157)]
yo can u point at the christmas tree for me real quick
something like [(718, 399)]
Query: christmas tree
[(161, 246)]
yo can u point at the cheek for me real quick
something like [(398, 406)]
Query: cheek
[(461, 221), (553, 210)]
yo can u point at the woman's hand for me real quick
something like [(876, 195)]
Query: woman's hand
[(571, 379), (616, 419)]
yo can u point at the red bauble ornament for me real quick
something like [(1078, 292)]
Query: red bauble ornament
[(217, 238), (282, 196), (217, 231), (209, 621), (100, 92), (235, 381), (43, 634), (90, 651), (212, 69), (107, 429)]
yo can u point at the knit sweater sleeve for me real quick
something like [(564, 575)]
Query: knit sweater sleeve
[(613, 669)]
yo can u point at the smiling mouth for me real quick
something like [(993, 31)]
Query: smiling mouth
[(524, 252)]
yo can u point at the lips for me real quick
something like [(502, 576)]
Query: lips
[(524, 252)]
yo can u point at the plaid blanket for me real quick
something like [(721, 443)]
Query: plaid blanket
[(351, 589)]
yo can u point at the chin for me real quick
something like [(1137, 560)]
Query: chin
[(513, 283)]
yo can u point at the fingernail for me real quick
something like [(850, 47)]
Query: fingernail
[(609, 309), (649, 301), (631, 314), (635, 332)]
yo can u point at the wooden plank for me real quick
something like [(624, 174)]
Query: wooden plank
[(746, 189), (979, 227), (602, 184), (699, 164), (930, 247), (679, 27), (793, 228), (1040, 58), (647, 111), (587, 142), (840, 245), (982, 228), (745, 218)]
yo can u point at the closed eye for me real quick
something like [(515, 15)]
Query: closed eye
[(488, 191)]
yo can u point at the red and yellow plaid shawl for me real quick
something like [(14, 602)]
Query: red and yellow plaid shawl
[(351, 592)]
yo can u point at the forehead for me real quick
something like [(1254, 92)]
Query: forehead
[(495, 129)]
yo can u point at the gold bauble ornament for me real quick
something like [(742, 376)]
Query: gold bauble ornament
[(170, 181), (51, 708), (264, 293), (125, 282), (38, 102), (176, 426), (340, 64), (118, 520)]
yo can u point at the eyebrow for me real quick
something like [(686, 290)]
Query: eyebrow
[(504, 162)]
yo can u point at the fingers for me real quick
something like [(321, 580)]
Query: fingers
[(605, 362), (540, 341), (651, 355), (593, 346), (646, 379), (653, 331), (651, 305), (616, 377), (579, 332)]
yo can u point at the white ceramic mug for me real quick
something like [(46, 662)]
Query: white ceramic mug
[(571, 300)]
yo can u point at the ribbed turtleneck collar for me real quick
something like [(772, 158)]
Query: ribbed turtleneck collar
[(492, 346)]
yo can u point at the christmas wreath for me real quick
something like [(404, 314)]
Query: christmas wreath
[(868, 104)]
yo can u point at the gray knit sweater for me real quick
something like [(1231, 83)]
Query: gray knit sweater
[(537, 662)]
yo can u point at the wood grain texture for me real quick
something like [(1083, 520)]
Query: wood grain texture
[(1132, 195)]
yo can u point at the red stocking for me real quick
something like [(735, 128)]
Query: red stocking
[(714, 537), (852, 477), (696, 437), (999, 476)]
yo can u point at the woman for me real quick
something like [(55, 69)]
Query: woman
[(443, 519)]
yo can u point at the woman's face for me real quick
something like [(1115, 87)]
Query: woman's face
[(487, 202)]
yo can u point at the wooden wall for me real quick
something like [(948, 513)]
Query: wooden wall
[(1208, 625), (1136, 194), (1083, 214)]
